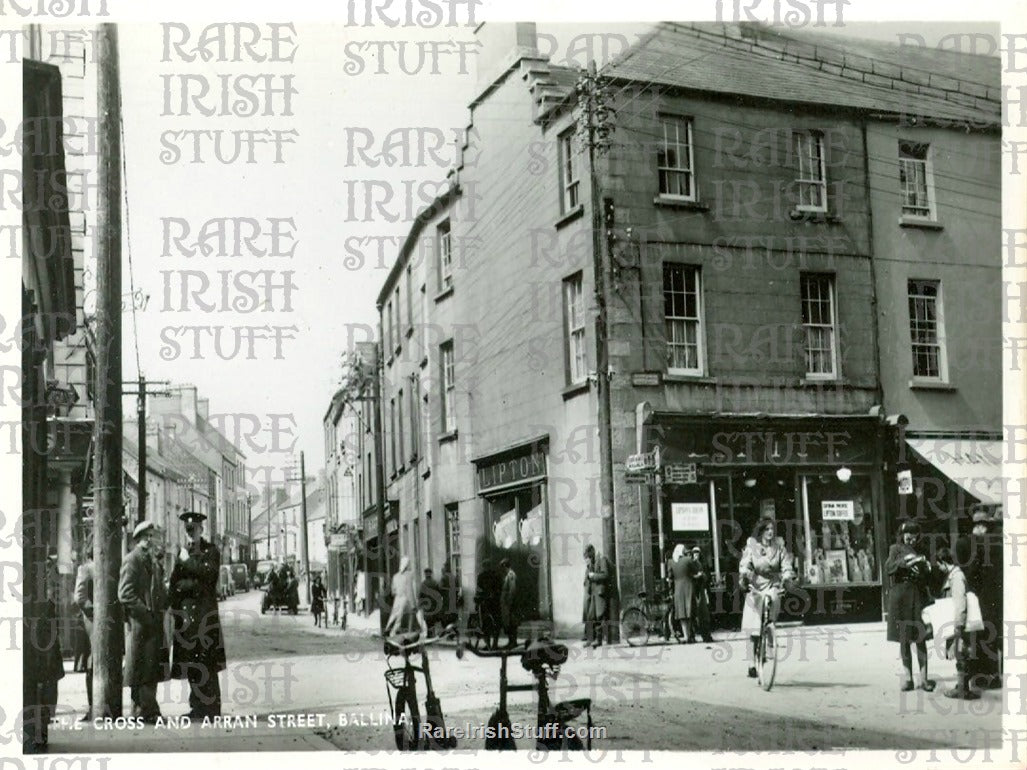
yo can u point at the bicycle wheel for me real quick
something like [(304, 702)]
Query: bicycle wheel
[(407, 724), (634, 626), (768, 656)]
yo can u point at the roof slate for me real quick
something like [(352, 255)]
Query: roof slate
[(815, 69)]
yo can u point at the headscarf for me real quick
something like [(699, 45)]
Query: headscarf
[(679, 552)]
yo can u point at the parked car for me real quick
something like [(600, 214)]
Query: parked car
[(260, 574), (240, 577), (226, 586)]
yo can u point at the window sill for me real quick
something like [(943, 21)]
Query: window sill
[(931, 385), (820, 217), (447, 437), (573, 390), (443, 294), (679, 203), (569, 217), (809, 382), (397, 351), (690, 379), (921, 222)]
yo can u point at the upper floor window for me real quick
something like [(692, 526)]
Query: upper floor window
[(812, 180), (410, 299), (569, 182), (387, 330), (817, 290), (444, 243), (397, 327), (682, 313), (448, 379), (915, 178), (927, 330), (674, 159), (400, 443), (574, 329)]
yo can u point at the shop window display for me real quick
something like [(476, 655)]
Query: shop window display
[(841, 531)]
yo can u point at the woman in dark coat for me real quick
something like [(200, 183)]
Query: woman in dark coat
[(679, 572), (199, 650), (910, 573)]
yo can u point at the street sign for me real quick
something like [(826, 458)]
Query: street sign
[(637, 477), (685, 473), (644, 461), (338, 540)]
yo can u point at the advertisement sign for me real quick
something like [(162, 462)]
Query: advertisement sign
[(689, 517), (905, 482), (837, 510)]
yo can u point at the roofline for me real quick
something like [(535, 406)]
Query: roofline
[(441, 203)]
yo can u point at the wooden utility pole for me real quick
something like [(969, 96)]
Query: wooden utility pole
[(108, 634), (303, 514), (141, 436), (591, 91)]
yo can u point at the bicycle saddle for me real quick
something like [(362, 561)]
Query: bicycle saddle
[(544, 652)]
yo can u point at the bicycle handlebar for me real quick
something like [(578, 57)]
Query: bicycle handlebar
[(506, 652), (395, 648)]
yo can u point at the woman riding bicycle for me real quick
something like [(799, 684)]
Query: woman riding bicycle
[(766, 566)]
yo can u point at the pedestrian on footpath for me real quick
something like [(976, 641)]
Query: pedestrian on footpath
[(596, 604), (198, 653), (449, 586), (318, 595), (911, 574), (958, 646), (429, 599), (982, 555), (84, 579), (679, 574), (486, 599), (700, 586), (507, 600), (141, 594)]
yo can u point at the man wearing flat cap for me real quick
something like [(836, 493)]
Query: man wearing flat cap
[(141, 595), (198, 652)]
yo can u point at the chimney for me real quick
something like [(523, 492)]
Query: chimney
[(203, 408), (503, 44)]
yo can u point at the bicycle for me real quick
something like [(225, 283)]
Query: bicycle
[(767, 646), (638, 621), (406, 724), (542, 659)]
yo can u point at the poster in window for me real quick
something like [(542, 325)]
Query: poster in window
[(690, 517), (837, 510), (768, 508), (531, 526), (504, 531), (837, 567)]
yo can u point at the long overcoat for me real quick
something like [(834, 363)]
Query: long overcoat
[(143, 600), (197, 644), (596, 589)]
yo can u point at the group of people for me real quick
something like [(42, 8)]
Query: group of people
[(917, 580), (495, 602), (688, 581), (426, 608), (196, 650)]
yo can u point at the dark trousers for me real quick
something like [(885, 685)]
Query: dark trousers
[(204, 691), (701, 620), (89, 691), (595, 629), (144, 701), (984, 663)]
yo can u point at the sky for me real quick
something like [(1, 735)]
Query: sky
[(328, 102)]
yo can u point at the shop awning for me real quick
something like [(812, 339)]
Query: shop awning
[(973, 464)]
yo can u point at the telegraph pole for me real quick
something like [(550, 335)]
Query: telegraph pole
[(303, 513), (592, 95), (108, 634), (141, 435)]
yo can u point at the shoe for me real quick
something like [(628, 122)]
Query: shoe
[(708, 640), (961, 694), (151, 719), (752, 672), (907, 686), (928, 685)]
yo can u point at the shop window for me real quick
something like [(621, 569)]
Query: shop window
[(840, 532), (515, 527)]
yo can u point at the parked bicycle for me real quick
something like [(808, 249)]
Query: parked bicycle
[(542, 659), (406, 714), (648, 616)]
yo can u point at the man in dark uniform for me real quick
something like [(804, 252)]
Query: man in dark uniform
[(982, 555), (198, 649)]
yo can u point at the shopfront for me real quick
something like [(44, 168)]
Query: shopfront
[(512, 487), (818, 478)]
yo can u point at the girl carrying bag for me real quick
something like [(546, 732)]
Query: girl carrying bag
[(940, 617)]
